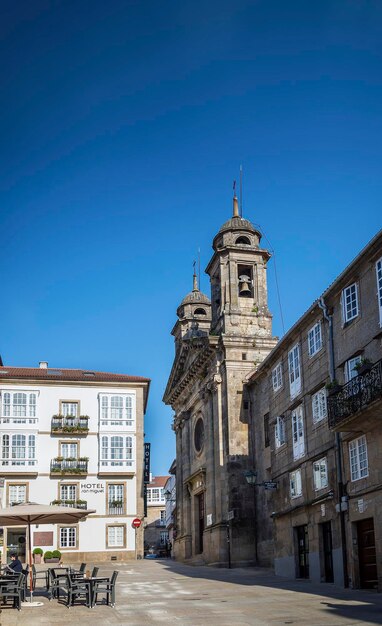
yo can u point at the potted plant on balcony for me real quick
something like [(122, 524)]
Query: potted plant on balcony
[(363, 366), (116, 504), (333, 387), (37, 555)]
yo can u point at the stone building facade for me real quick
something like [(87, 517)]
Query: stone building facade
[(316, 409), (217, 342), (74, 438)]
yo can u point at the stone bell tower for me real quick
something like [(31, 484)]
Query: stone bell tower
[(239, 296), (218, 343)]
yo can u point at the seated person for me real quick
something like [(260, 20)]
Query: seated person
[(15, 565)]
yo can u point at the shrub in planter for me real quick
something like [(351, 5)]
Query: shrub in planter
[(37, 555), (333, 387), (56, 554), (363, 366), (49, 558)]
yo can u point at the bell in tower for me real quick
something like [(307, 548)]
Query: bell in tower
[(245, 290)]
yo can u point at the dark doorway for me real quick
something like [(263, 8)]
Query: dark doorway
[(327, 549), (200, 513), (367, 554), (302, 551), (16, 542)]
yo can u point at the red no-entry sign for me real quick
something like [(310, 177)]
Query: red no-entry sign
[(136, 522)]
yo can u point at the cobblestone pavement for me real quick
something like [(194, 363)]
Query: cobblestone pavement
[(158, 592)]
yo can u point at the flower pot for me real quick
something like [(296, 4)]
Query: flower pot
[(53, 560), (334, 390), (37, 559), (364, 369)]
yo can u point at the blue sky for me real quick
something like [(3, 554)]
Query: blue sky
[(123, 125)]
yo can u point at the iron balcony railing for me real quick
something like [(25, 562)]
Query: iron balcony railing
[(61, 424), (76, 504), (355, 396), (68, 466), (115, 509)]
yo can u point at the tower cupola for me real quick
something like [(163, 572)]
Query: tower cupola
[(194, 313)]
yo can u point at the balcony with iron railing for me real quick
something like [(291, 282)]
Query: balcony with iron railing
[(76, 504), (70, 465), (69, 425), (358, 400), (116, 507)]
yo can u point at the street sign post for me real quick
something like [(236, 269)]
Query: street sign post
[(270, 484), (136, 524)]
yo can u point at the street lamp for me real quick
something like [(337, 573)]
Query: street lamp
[(250, 477), (167, 496)]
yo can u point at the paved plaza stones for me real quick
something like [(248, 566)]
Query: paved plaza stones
[(166, 592)]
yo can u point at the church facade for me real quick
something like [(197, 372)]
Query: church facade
[(218, 342)]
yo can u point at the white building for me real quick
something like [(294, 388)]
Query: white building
[(74, 437)]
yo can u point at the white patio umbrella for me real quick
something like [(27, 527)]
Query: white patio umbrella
[(29, 513)]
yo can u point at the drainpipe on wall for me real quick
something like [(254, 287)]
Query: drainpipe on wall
[(341, 488)]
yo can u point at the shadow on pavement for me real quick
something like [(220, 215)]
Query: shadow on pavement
[(357, 605)]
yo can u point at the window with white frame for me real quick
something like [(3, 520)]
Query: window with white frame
[(350, 306), (115, 498), (350, 371), (314, 339), (319, 408), (320, 474), (163, 516), (280, 437), (18, 449), (277, 377), (155, 495), (298, 437), (69, 409), (68, 492), (117, 410), (359, 467), (21, 406), (68, 537), (294, 371), (116, 450), (115, 536), (378, 269), (17, 493), (295, 484), (69, 450)]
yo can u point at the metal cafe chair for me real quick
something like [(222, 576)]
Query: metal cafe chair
[(14, 588), (81, 570), (106, 587), (55, 579), (95, 572), (77, 589), (40, 575)]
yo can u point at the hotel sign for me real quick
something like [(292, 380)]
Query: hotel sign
[(92, 487), (146, 463)]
